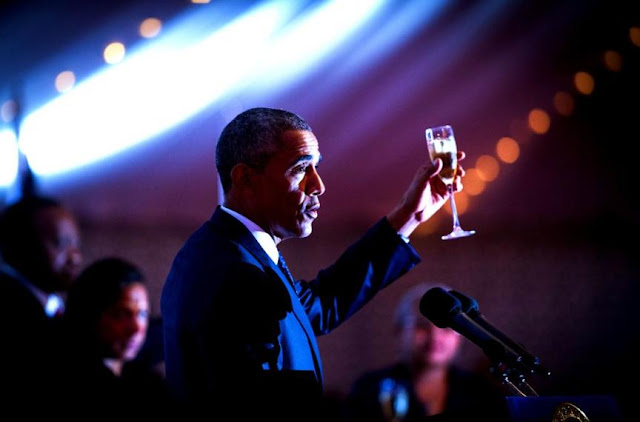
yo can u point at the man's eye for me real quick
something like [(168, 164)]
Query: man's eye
[(300, 169)]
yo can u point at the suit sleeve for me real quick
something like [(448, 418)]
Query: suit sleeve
[(366, 267)]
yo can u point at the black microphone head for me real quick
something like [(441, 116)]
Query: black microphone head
[(440, 307), (469, 304)]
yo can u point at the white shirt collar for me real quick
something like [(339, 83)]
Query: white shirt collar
[(264, 239)]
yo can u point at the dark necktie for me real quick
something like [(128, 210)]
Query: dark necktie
[(285, 269)]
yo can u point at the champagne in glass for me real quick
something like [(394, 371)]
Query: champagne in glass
[(442, 144)]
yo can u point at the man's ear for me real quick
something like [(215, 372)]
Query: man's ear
[(241, 175)]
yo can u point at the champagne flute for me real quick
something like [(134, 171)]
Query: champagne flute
[(442, 144)]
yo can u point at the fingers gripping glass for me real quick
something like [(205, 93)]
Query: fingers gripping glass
[(442, 144)]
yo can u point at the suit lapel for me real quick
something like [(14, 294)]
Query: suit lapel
[(227, 225)]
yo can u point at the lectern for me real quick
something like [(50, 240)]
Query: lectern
[(512, 364), (564, 409)]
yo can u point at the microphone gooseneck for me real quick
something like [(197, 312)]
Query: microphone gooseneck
[(451, 309)]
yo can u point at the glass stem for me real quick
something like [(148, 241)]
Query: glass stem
[(454, 210)]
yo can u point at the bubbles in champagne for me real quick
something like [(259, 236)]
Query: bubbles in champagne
[(445, 149), (449, 165)]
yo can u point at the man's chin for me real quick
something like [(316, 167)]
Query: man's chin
[(306, 230), (300, 231)]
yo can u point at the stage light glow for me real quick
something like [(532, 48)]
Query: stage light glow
[(178, 74), (310, 38), (151, 91)]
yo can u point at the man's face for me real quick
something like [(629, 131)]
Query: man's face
[(59, 238), (123, 326), (286, 191)]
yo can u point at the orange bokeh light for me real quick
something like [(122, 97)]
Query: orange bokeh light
[(584, 83), (473, 183), (539, 121), (613, 60), (487, 167), (563, 103), (508, 150), (634, 35)]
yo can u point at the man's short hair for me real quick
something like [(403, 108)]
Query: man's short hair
[(99, 286), (18, 231), (252, 138)]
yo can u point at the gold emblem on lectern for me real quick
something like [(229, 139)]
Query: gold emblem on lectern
[(568, 412)]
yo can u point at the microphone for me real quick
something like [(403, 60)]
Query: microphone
[(446, 311), (470, 307)]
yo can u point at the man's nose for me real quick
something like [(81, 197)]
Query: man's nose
[(316, 185)]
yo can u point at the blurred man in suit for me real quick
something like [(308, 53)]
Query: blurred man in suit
[(40, 249)]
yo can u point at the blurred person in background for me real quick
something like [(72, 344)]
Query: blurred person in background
[(425, 383), (41, 256), (106, 324)]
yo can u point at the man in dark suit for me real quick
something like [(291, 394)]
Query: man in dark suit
[(39, 258), (239, 330)]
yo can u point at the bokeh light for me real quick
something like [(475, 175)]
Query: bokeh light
[(473, 183), (539, 121), (508, 150), (487, 168), (634, 35), (612, 60), (65, 81), (114, 53), (150, 27), (584, 83), (563, 103)]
